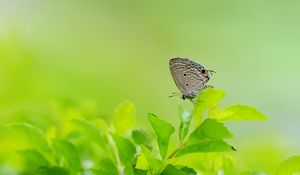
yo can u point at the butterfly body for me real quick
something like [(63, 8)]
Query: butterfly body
[(190, 77)]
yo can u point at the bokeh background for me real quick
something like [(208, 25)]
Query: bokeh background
[(98, 53)]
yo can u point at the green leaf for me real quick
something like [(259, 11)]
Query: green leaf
[(289, 166), (185, 121), (172, 170), (69, 152), (103, 172), (209, 129), (91, 131), (107, 167), (52, 171), (163, 131), (228, 166), (33, 134), (154, 164), (142, 137), (187, 170), (254, 173), (126, 152), (237, 112), (124, 117), (206, 146), (4, 131), (206, 99), (140, 172), (34, 158), (125, 148)]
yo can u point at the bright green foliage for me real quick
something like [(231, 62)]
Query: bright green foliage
[(78, 145), (171, 170), (207, 137), (206, 146), (91, 131), (227, 165), (252, 173), (185, 121), (125, 148), (33, 134), (206, 99), (187, 170), (237, 112), (178, 170), (154, 164), (140, 172), (163, 131), (126, 152), (142, 137), (290, 166), (209, 129), (34, 159), (51, 171), (4, 130), (107, 167), (69, 152), (102, 172), (124, 117)]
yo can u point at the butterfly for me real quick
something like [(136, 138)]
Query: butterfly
[(190, 77)]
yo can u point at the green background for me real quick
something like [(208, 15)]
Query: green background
[(100, 53)]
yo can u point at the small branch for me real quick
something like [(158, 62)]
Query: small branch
[(176, 151), (120, 167)]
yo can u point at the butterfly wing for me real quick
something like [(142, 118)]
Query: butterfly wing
[(188, 76)]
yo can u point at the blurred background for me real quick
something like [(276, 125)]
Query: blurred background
[(98, 53)]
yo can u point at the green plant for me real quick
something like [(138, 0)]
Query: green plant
[(87, 144), (290, 166)]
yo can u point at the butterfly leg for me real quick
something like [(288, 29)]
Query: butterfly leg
[(208, 86), (183, 97), (174, 94)]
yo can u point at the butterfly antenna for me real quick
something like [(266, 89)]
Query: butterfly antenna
[(212, 72), (174, 94)]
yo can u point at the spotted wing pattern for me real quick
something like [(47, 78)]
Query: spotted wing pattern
[(189, 76)]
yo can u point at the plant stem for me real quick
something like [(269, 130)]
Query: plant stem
[(176, 151), (116, 154)]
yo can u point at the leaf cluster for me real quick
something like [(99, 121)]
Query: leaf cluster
[(85, 145)]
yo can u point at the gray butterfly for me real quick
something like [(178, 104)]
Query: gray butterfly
[(190, 77)]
